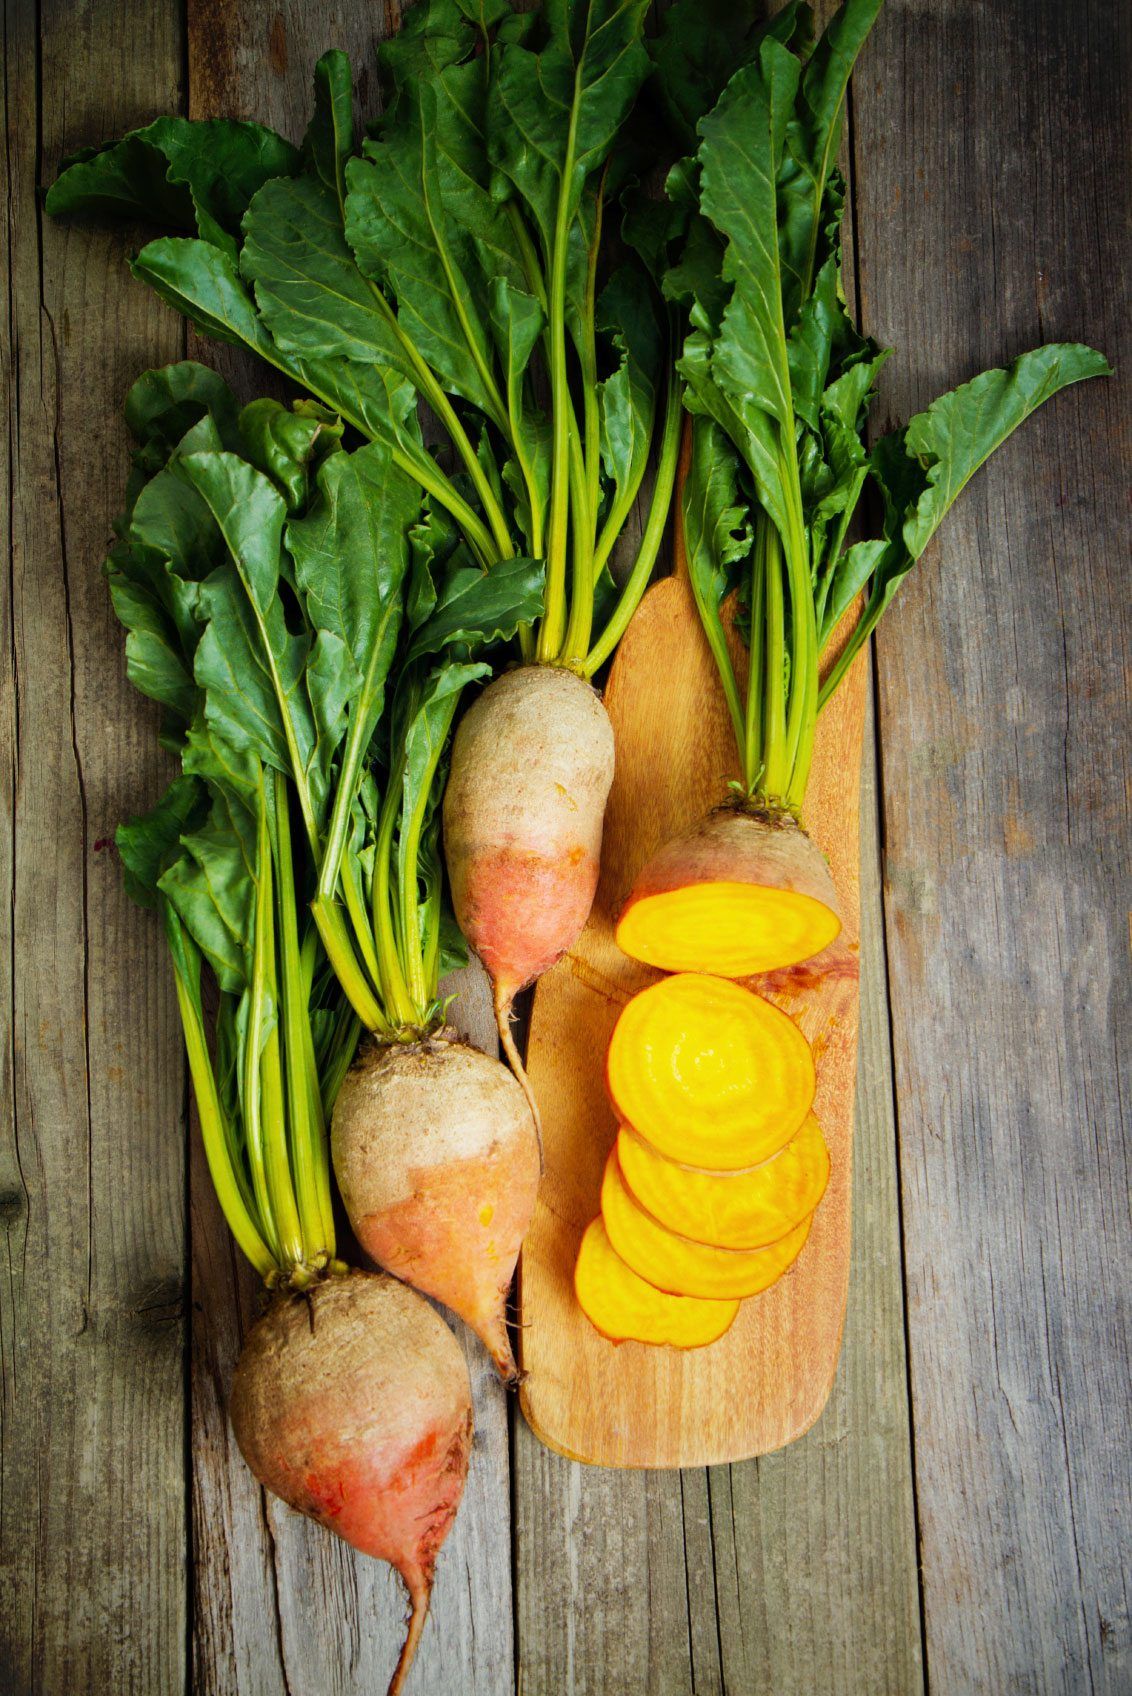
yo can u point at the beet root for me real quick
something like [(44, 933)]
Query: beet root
[(437, 1159), (351, 1403), (532, 762), (740, 893)]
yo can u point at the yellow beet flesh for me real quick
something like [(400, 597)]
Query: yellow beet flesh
[(624, 1307), (709, 1073), (734, 930), (741, 892), (730, 1209), (683, 1267)]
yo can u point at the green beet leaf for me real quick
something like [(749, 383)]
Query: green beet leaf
[(188, 175), (923, 468), (149, 842), (287, 443), (329, 140), (313, 298), (779, 382), (557, 109), (477, 609), (162, 405), (351, 557), (423, 224), (959, 432)]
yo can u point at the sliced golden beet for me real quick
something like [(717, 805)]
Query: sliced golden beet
[(709, 1072), (734, 930), (681, 1266), (624, 1307), (730, 1209), (737, 895)]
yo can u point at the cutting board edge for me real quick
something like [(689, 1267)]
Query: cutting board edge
[(708, 1456)]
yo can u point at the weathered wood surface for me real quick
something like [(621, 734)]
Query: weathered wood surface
[(93, 1557), (1005, 832), (991, 213)]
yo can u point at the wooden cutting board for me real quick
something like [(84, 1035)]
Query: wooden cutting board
[(767, 1380)]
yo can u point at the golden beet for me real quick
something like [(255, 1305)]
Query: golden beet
[(681, 1266), (624, 1307), (746, 1209), (709, 1072), (738, 894), (437, 1160)]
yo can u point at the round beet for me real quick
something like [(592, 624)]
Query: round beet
[(351, 1403), (437, 1160), (741, 893)]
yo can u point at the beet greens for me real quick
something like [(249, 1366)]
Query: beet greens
[(271, 582), (779, 380), (462, 258)]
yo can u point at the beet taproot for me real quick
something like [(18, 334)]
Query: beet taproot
[(740, 893), (532, 764), (351, 1403)]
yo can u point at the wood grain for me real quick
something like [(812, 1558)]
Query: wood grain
[(93, 1577), (280, 1606), (993, 215), (766, 1381)]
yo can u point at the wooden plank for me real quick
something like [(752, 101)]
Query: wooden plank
[(92, 1524), (796, 1572), (815, 1547), (785, 1575), (279, 1605), (992, 207)]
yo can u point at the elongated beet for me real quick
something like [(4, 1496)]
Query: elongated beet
[(532, 763), (437, 1159), (743, 891), (351, 1403)]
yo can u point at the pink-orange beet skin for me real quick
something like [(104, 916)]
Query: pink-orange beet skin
[(351, 1403), (532, 763), (525, 908), (437, 1160)]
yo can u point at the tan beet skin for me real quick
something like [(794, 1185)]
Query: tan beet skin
[(740, 893), (437, 1159), (532, 763)]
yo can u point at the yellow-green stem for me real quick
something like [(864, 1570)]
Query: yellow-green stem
[(296, 1024), (638, 579), (554, 613)]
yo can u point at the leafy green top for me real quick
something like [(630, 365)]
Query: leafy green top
[(779, 381), (273, 586), (457, 259)]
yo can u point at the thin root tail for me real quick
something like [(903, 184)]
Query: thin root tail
[(502, 1003), (419, 1595)]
